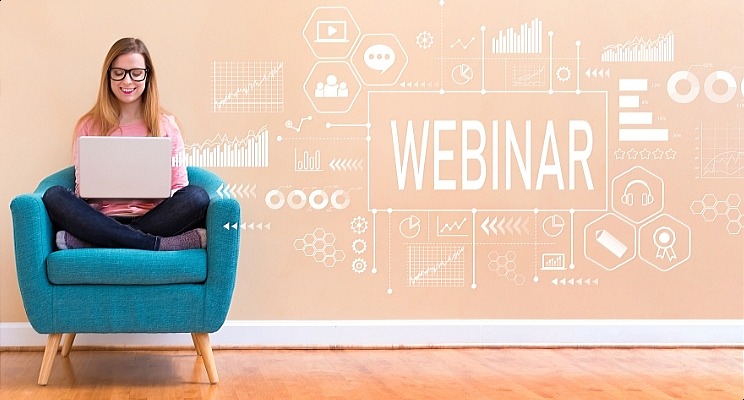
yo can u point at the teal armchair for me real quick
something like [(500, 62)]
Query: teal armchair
[(96, 290)]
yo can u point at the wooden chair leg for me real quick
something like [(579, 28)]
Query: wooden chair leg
[(207, 356), (49, 352), (68, 338), (196, 344)]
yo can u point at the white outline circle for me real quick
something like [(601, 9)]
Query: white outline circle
[(683, 76), (313, 203), (730, 82), (334, 199), (272, 205), (294, 193), (362, 249)]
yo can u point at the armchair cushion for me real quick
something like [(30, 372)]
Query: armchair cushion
[(126, 267)]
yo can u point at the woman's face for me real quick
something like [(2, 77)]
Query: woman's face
[(131, 68)]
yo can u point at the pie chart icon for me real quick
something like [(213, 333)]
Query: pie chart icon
[(553, 225), (410, 227), (462, 74)]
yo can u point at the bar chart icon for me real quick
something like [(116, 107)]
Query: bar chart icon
[(248, 152), (635, 125), (526, 40), (553, 262)]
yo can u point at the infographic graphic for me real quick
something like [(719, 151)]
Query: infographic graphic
[(465, 157)]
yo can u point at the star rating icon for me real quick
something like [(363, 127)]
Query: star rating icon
[(645, 154)]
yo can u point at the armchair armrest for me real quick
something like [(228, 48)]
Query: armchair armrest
[(34, 241), (223, 245)]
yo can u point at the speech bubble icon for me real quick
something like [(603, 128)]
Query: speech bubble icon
[(379, 57)]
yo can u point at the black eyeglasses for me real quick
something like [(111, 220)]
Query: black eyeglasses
[(137, 74)]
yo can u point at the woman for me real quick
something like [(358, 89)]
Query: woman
[(128, 105)]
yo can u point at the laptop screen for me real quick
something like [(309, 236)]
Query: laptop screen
[(124, 167)]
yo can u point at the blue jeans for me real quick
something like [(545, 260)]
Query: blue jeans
[(185, 210)]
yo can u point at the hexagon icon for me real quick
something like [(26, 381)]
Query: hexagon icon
[(637, 194), (331, 32), (609, 241), (379, 59), (664, 242), (332, 87)]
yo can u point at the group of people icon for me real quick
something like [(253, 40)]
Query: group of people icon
[(331, 88)]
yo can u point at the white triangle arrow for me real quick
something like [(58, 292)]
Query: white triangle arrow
[(483, 226)]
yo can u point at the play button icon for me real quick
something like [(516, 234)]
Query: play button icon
[(331, 32)]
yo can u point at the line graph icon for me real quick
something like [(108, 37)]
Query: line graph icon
[(721, 151), (247, 87), (250, 151), (436, 265), (452, 227), (463, 45), (528, 75), (639, 49)]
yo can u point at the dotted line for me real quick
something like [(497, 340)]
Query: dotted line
[(516, 243), (535, 230), (390, 252), (503, 58)]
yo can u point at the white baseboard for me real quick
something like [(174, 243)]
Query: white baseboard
[(422, 333)]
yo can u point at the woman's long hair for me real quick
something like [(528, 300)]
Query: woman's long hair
[(105, 113)]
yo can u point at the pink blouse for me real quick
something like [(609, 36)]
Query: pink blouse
[(134, 207)]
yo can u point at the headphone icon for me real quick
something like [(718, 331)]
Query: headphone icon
[(646, 198)]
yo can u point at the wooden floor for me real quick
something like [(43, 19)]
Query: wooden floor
[(452, 374)]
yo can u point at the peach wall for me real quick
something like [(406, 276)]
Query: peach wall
[(335, 226)]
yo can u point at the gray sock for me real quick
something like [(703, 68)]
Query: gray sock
[(65, 240), (193, 239)]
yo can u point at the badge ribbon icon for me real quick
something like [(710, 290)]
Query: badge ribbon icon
[(664, 238)]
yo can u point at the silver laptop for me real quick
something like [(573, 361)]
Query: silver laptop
[(124, 167)]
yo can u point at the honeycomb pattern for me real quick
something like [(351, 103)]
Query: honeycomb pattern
[(505, 266), (710, 208), (320, 246)]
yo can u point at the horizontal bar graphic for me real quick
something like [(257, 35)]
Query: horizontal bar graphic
[(633, 85), (630, 101), (636, 118), (644, 135)]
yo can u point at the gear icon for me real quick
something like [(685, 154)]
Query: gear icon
[(359, 225), (359, 265), (424, 40), (563, 74), (359, 246)]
